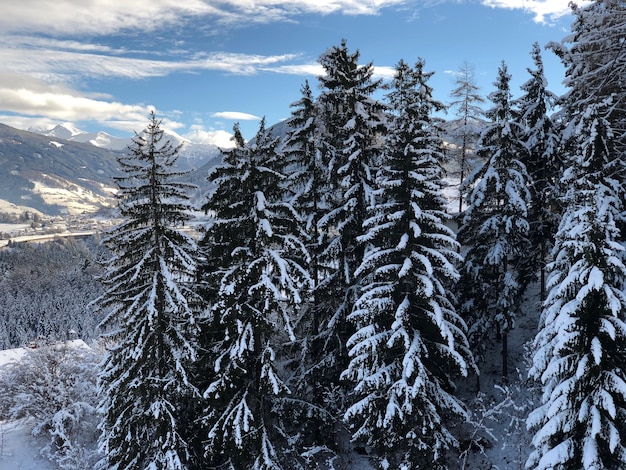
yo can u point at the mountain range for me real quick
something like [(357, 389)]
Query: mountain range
[(66, 171)]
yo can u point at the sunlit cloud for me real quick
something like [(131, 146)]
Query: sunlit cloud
[(297, 69), (543, 10), (199, 135), (236, 116), (66, 66), (49, 49), (100, 17), (384, 72), (39, 104)]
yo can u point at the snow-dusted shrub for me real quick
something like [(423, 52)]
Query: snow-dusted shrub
[(53, 387)]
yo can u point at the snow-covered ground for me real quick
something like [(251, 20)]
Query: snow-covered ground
[(9, 356), (502, 406), (13, 229), (19, 450)]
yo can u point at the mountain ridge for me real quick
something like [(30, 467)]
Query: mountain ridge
[(49, 173)]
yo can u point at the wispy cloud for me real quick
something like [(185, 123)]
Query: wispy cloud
[(236, 116), (71, 62), (544, 10), (297, 69), (49, 49), (99, 17)]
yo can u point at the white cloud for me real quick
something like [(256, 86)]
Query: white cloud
[(317, 70), (236, 116), (97, 17), (64, 106), (542, 9), (295, 69), (35, 103), (54, 65), (199, 135), (384, 72)]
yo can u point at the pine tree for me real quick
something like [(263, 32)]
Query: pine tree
[(467, 102), (153, 312), (409, 341), (494, 226), (543, 165), (261, 276), (307, 188), (594, 56), (580, 350), (350, 121), (306, 180)]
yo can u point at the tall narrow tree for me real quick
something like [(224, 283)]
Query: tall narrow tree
[(307, 189), (261, 275), (153, 312), (306, 183), (350, 121), (409, 341), (594, 56), (494, 226), (467, 102), (543, 165), (580, 350)]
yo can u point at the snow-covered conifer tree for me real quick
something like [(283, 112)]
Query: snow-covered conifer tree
[(350, 122), (306, 179), (580, 350), (594, 56), (495, 228), (153, 312), (261, 278), (409, 342), (543, 164)]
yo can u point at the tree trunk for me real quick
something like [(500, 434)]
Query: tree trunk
[(542, 279), (505, 355)]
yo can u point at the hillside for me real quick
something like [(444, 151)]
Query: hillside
[(56, 176)]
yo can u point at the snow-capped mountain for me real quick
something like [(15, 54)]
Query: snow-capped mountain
[(68, 131), (192, 155), (66, 171)]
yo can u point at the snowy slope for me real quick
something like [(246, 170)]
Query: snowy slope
[(19, 450)]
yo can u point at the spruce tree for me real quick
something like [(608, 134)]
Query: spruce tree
[(261, 275), (594, 56), (580, 350), (350, 122), (306, 181), (152, 307), (495, 227), (307, 188), (409, 342), (542, 139)]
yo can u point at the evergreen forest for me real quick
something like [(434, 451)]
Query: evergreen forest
[(338, 311)]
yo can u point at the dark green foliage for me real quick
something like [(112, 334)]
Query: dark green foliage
[(580, 348), (495, 226), (153, 313), (254, 259), (409, 343), (350, 121), (544, 166)]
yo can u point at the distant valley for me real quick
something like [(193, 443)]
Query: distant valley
[(64, 172)]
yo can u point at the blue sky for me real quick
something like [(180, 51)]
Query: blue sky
[(205, 64)]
